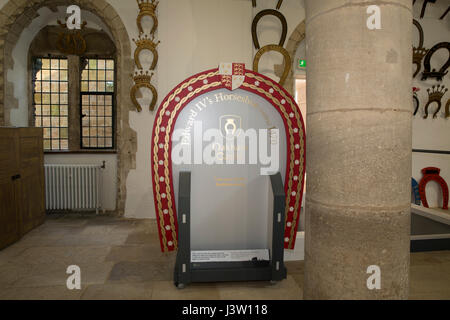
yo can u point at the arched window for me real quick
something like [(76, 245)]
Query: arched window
[(73, 97)]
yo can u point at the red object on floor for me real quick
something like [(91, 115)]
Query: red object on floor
[(433, 174)]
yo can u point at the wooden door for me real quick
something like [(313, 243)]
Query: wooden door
[(9, 187), (32, 194)]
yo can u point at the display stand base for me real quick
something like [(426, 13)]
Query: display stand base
[(187, 272)]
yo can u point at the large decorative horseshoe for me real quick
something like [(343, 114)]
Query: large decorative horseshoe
[(263, 13), (147, 9), (433, 174), (145, 43), (439, 75), (283, 51), (435, 95), (419, 52), (142, 80), (447, 109)]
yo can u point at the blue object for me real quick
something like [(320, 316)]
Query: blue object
[(415, 192)]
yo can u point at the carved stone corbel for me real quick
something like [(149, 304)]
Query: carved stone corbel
[(71, 42)]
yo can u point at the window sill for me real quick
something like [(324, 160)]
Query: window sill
[(83, 152)]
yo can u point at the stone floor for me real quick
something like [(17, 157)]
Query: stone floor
[(121, 259)]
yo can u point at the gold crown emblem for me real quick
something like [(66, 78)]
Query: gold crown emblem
[(418, 54), (146, 42), (147, 5), (141, 77), (437, 92)]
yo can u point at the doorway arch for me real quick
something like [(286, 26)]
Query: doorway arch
[(15, 16)]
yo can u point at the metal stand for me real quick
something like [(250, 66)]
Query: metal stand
[(187, 272)]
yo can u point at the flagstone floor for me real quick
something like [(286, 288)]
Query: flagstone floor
[(121, 259)]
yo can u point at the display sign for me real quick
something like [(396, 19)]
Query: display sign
[(231, 128), (302, 63), (230, 256)]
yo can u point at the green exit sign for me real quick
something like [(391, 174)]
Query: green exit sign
[(302, 63)]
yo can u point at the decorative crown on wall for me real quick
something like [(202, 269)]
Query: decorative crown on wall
[(418, 55), (141, 77), (435, 94)]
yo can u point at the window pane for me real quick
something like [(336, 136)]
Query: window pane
[(50, 104), (95, 125), (97, 90)]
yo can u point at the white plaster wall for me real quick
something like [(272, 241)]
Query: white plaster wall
[(432, 134), (195, 35)]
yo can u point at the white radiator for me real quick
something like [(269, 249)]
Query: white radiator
[(73, 187)]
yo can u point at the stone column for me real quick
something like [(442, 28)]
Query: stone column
[(359, 149)]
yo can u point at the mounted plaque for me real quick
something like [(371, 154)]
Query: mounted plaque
[(233, 131)]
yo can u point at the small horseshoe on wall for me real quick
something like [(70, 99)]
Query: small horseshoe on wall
[(142, 80), (435, 95), (134, 90), (447, 109), (271, 12), (419, 52), (416, 100), (145, 43), (439, 75), (283, 51), (421, 35), (147, 9), (417, 104)]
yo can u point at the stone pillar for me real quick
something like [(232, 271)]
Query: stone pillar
[(359, 149)]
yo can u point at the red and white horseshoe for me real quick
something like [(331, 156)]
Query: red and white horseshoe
[(161, 157)]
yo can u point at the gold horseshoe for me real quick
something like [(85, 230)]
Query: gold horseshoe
[(139, 21), (283, 51), (134, 90), (146, 43), (147, 8), (270, 12)]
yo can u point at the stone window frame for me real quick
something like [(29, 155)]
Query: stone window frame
[(74, 66)]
